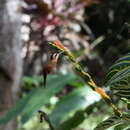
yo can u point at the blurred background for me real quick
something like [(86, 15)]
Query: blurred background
[(97, 32)]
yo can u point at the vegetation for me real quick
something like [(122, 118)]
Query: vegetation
[(76, 66)]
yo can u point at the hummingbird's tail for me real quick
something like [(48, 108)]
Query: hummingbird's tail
[(44, 79)]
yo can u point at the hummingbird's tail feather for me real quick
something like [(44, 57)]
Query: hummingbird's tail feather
[(44, 79)]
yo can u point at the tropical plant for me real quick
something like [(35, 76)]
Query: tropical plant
[(118, 79), (64, 116)]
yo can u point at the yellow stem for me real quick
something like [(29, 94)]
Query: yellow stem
[(92, 84)]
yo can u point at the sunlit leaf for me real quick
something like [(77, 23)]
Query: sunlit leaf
[(127, 128), (37, 98), (77, 100)]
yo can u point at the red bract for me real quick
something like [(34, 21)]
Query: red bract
[(59, 44)]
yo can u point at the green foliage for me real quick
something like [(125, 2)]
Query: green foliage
[(37, 98), (118, 77), (69, 111), (73, 122), (120, 126), (113, 123), (108, 123), (65, 109)]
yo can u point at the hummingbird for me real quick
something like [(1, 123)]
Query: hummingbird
[(50, 67)]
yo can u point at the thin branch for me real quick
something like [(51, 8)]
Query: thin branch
[(97, 41)]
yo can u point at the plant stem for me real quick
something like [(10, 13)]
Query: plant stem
[(99, 90), (91, 82)]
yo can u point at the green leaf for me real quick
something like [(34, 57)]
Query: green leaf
[(118, 78), (127, 128), (73, 122), (77, 100), (119, 65), (124, 73), (37, 98), (28, 81), (111, 121), (121, 126), (110, 74), (123, 93)]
